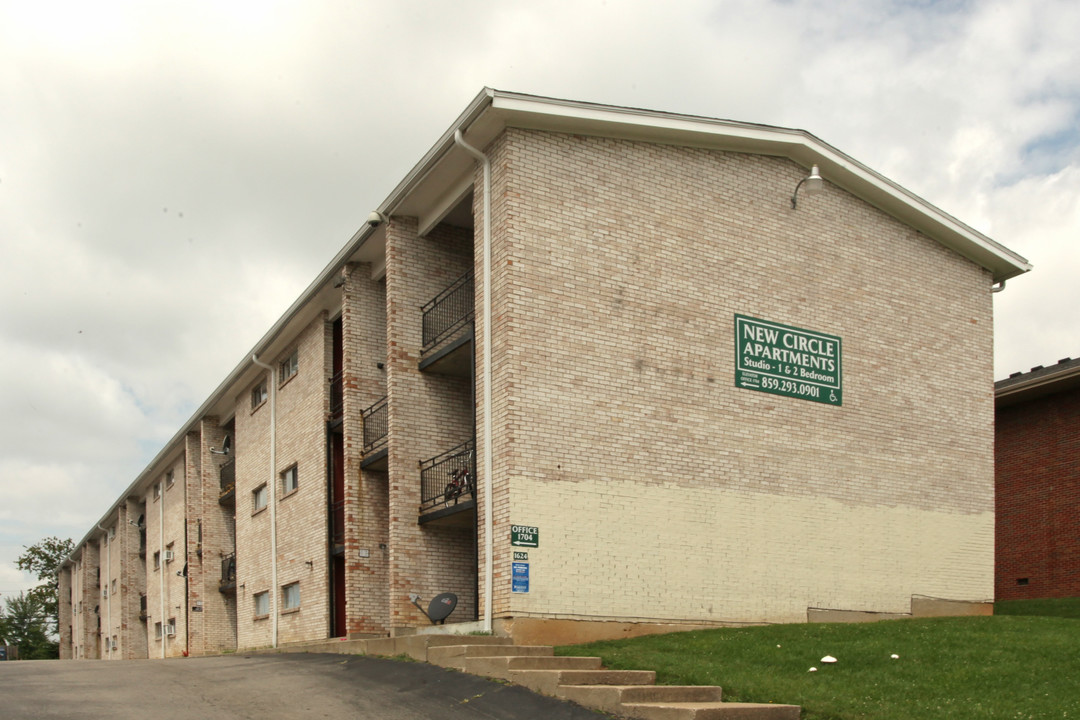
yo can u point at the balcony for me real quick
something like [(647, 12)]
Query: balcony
[(227, 584), (448, 483), (227, 496), (376, 426), (143, 614), (447, 329)]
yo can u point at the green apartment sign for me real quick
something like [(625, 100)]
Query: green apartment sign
[(525, 536), (789, 361)]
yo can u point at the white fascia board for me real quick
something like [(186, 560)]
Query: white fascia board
[(650, 123)]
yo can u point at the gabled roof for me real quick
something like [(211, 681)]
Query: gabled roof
[(435, 183), (1038, 382)]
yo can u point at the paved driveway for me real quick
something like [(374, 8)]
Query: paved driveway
[(263, 687)]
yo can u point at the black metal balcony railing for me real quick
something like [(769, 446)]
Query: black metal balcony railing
[(227, 472), (449, 310), (376, 425), (337, 395), (449, 478), (228, 573)]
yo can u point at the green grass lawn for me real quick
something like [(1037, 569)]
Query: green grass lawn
[(970, 668), (1051, 607)]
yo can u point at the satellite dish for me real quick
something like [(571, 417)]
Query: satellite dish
[(441, 606)]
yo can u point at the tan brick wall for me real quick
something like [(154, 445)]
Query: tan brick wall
[(165, 591), (113, 621), (367, 497), (252, 531), (302, 406), (428, 414), (213, 628), (132, 580), (87, 603), (619, 267), (65, 593)]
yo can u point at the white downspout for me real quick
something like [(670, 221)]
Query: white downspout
[(489, 562), (108, 578), (161, 563), (272, 498)]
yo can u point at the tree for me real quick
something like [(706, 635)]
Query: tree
[(43, 559), (26, 624)]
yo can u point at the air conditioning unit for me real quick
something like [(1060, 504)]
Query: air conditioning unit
[(169, 630), (168, 556), (105, 593)]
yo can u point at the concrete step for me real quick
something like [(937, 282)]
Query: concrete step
[(502, 667), (416, 646), (611, 698), (709, 711), (455, 655), (549, 682)]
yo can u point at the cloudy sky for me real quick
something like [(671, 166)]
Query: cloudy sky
[(174, 174)]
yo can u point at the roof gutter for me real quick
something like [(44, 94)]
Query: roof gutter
[(489, 562)]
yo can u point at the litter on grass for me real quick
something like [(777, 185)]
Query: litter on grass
[(894, 656)]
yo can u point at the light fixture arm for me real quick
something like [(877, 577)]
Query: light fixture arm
[(815, 184)]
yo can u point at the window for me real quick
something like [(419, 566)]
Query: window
[(157, 491), (170, 478), (112, 532), (290, 366), (157, 631), (114, 586), (290, 597), (262, 604), (258, 394), (114, 642), (157, 559), (169, 553), (288, 481), (258, 498)]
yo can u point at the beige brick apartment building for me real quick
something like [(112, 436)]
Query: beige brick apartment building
[(673, 395)]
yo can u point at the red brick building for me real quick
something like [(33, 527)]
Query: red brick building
[(1038, 483)]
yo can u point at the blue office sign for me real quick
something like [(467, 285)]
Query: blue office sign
[(519, 577)]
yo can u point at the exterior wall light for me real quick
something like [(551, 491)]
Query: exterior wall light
[(814, 185)]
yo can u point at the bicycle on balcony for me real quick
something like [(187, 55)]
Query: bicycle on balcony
[(461, 482)]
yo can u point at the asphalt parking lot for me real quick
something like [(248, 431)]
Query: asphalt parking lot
[(266, 687)]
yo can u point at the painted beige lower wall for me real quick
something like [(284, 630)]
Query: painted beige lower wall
[(621, 550)]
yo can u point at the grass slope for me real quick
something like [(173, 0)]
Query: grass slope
[(979, 667), (1052, 607)]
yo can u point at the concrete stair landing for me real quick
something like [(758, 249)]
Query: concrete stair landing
[(628, 693), (710, 711)]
